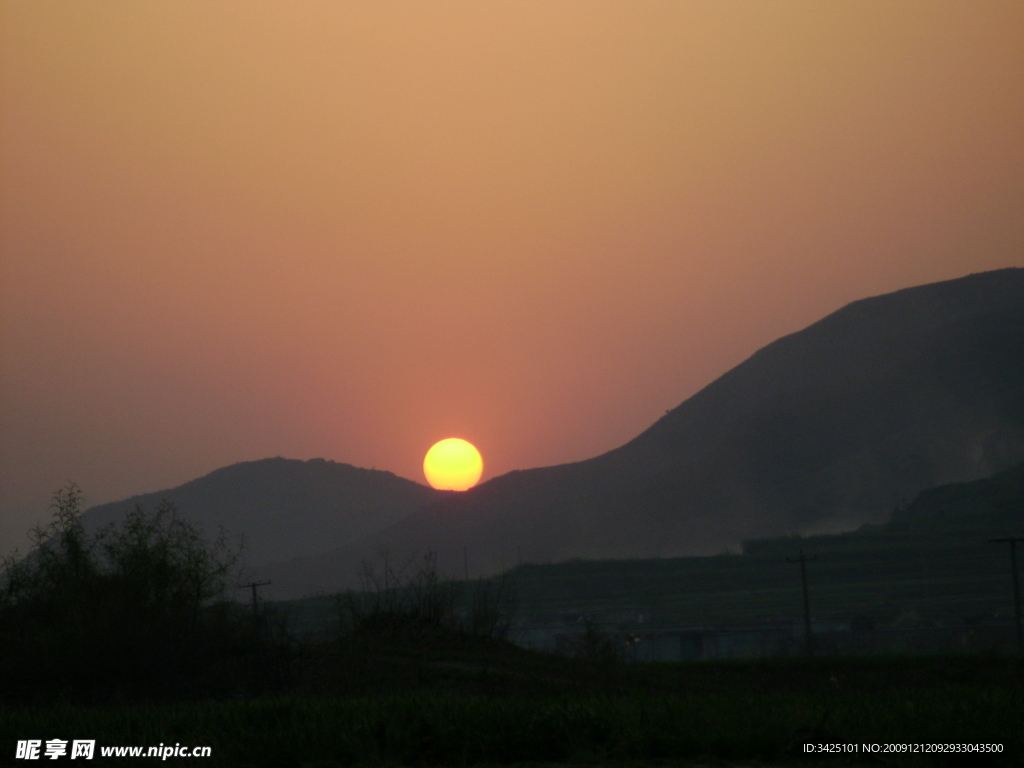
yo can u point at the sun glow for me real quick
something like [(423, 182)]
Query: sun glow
[(453, 465)]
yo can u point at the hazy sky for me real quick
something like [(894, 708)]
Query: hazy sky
[(234, 230)]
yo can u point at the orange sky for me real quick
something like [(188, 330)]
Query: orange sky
[(233, 230)]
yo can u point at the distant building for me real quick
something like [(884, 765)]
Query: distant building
[(639, 641)]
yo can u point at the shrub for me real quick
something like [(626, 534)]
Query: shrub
[(414, 594), (136, 609)]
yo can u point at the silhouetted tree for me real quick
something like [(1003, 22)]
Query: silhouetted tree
[(130, 610)]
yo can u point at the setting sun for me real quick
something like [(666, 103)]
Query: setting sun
[(453, 465)]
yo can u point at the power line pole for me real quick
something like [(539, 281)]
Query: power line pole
[(465, 562), (253, 585), (1013, 541), (803, 560)]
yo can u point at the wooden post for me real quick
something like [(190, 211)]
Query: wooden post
[(803, 560), (253, 585)]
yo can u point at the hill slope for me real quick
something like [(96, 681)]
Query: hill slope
[(285, 508), (932, 560), (821, 430)]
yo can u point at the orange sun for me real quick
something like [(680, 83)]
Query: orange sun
[(453, 465)]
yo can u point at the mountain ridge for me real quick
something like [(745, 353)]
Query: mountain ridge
[(822, 430), (277, 508)]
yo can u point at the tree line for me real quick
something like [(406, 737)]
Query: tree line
[(137, 608)]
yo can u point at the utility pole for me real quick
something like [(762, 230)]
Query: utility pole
[(803, 560), (253, 585), (1013, 541), (465, 562)]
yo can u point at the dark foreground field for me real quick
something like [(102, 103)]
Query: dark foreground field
[(438, 698), (120, 638)]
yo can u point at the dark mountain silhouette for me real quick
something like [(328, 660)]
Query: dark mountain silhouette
[(992, 507), (285, 508), (822, 430)]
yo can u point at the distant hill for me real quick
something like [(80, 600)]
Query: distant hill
[(285, 508), (989, 508), (951, 515), (932, 562), (825, 429)]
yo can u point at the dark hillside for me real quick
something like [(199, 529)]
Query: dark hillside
[(932, 564), (285, 508), (993, 507)]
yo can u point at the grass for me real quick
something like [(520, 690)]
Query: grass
[(504, 706), (421, 729)]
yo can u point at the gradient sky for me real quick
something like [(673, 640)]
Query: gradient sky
[(234, 230)]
